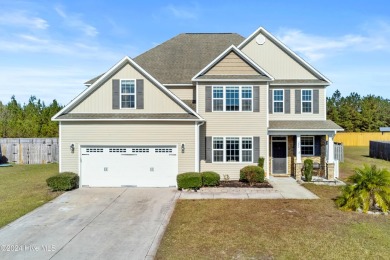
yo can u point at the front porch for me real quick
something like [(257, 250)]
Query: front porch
[(289, 147)]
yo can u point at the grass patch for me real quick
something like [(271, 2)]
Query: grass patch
[(23, 188), (274, 229), (357, 156)]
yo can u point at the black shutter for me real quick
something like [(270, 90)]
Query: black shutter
[(316, 101), (256, 97), (208, 99), (140, 93), (295, 145), (297, 101), (317, 145), (115, 94), (287, 101), (256, 149), (270, 100), (209, 150)]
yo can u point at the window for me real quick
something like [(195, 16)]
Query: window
[(232, 149), (307, 100), (127, 93), (246, 98), (278, 100), (218, 98), (246, 147), (307, 145), (232, 98), (218, 149)]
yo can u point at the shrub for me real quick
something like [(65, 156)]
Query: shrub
[(308, 169), (63, 181), (210, 178), (370, 189), (260, 162), (252, 174), (189, 180)]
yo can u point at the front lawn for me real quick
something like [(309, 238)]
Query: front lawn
[(356, 157), (274, 229), (23, 188)]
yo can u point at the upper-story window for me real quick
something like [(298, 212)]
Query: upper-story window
[(127, 92), (278, 100), (232, 98), (307, 100)]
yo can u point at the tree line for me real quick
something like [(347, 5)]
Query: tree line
[(28, 120), (358, 114)]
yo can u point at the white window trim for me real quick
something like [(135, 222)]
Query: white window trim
[(135, 94), (311, 101), (224, 98), (273, 101), (314, 146), (224, 148)]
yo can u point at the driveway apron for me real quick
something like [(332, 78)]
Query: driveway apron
[(92, 223)]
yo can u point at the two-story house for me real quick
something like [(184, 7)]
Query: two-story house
[(198, 102)]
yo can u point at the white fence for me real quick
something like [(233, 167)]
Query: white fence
[(29, 150)]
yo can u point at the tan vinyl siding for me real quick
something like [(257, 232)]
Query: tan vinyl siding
[(100, 101), (233, 124), (275, 61), (232, 65), (124, 133), (183, 92), (304, 116)]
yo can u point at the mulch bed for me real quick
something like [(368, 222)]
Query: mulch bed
[(240, 184)]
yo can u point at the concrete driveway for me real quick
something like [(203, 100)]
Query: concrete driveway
[(92, 223)]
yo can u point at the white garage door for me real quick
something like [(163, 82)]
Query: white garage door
[(141, 166)]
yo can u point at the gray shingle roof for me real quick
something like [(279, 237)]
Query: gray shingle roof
[(297, 81), (304, 125), (180, 58), (123, 116), (177, 60)]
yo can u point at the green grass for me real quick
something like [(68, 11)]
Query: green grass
[(355, 157), (274, 229), (23, 188), (278, 229)]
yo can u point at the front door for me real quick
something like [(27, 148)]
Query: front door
[(279, 156)]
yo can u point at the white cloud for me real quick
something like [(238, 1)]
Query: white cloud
[(183, 12), (22, 19), (315, 47), (75, 21)]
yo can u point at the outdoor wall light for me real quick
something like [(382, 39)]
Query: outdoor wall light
[(72, 148), (183, 148)]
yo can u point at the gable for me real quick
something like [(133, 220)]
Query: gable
[(232, 64), (100, 100), (274, 59)]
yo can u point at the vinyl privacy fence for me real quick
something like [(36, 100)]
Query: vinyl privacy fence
[(29, 150), (380, 150)]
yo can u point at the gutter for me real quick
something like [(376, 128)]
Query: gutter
[(197, 145)]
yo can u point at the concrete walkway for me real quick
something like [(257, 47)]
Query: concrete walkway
[(283, 188), (96, 223)]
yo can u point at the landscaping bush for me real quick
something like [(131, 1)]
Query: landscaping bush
[(260, 162), (370, 190), (210, 178), (308, 169), (252, 174), (189, 180), (63, 181)]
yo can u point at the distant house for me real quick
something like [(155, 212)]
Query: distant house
[(198, 102)]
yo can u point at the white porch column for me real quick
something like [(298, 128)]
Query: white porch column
[(330, 148), (299, 158)]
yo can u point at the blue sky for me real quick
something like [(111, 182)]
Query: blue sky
[(49, 48)]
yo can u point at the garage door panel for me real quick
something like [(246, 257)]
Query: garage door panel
[(142, 166)]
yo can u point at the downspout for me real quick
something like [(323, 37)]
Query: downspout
[(197, 145)]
